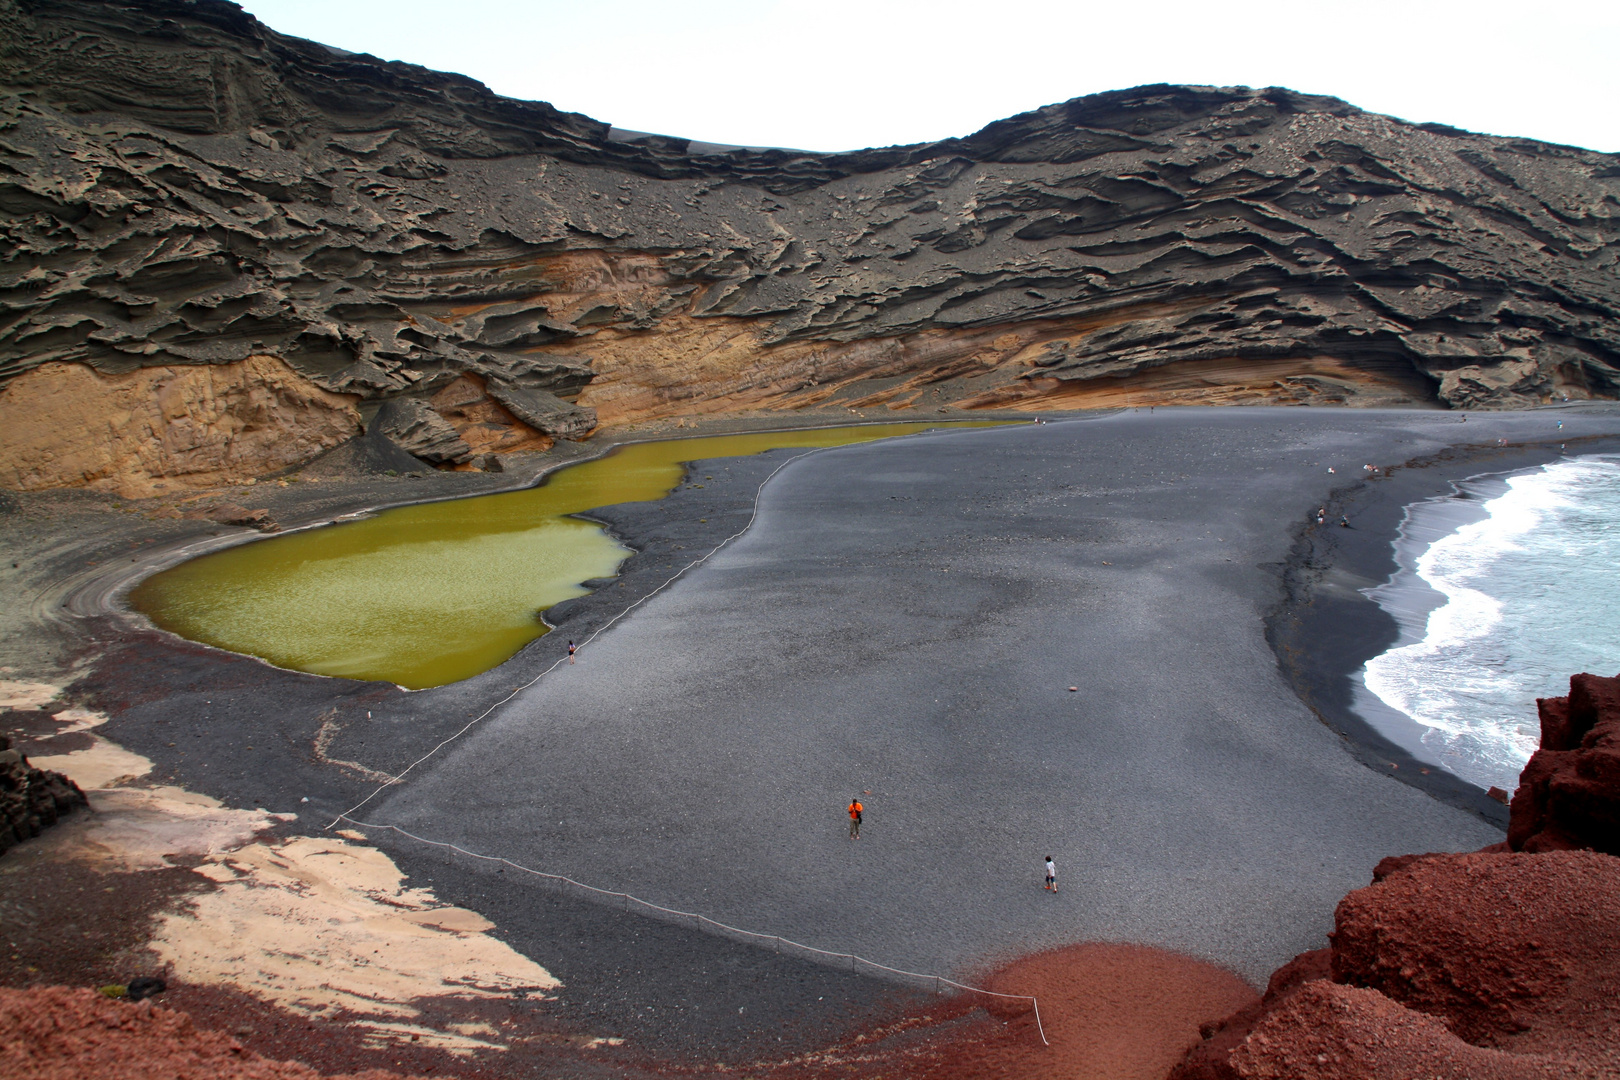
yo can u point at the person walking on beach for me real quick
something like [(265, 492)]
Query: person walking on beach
[(1051, 875), (855, 809), (570, 652)]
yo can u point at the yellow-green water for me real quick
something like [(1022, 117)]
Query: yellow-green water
[(428, 594)]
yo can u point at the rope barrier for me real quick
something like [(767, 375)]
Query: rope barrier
[(853, 959), (628, 898)]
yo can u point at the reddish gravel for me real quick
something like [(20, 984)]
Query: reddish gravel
[(1514, 951), (1111, 1012), (1329, 1032), (57, 1033), (63, 922)]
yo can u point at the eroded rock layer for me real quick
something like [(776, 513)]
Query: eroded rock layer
[(181, 185), (137, 432)]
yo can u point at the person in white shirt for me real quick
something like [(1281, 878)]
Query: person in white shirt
[(1051, 875)]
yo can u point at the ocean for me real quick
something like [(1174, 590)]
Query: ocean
[(1505, 589)]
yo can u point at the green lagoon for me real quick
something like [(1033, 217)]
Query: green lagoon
[(429, 594)]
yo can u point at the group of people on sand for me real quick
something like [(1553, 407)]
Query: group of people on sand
[(1344, 522), (857, 810)]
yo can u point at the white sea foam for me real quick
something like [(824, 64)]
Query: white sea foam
[(1529, 595)]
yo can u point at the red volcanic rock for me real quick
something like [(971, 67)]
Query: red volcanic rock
[(58, 1033), (1514, 951), (1498, 964), (1331, 1032), (1210, 1059), (1569, 793), (1487, 965)]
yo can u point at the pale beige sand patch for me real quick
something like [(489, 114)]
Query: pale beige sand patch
[(101, 765), (23, 694), (320, 924), (378, 1033), (143, 828), (73, 720)]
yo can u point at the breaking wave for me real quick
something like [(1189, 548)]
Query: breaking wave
[(1528, 594)]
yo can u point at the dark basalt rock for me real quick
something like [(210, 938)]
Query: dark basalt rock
[(30, 799), (543, 411), (232, 514), (420, 431), (371, 454), (180, 184)]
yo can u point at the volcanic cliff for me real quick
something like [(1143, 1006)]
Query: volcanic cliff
[(1501, 964), (226, 249)]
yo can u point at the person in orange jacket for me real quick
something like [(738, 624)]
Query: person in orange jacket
[(855, 809)]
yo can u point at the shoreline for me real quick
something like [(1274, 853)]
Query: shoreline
[(148, 680), (105, 592), (151, 682), (1409, 598), (815, 481), (1324, 629)]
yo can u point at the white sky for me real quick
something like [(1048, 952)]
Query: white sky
[(845, 74)]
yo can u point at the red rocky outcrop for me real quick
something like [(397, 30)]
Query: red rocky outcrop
[(58, 1033), (1209, 1059), (1333, 1032), (1495, 964), (1569, 793), (1513, 951), (1481, 965)]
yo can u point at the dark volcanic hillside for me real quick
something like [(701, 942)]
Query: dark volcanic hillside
[(251, 240)]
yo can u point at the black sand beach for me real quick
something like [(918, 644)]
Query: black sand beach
[(903, 618), (1324, 629)]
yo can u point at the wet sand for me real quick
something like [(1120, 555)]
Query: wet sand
[(903, 619)]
